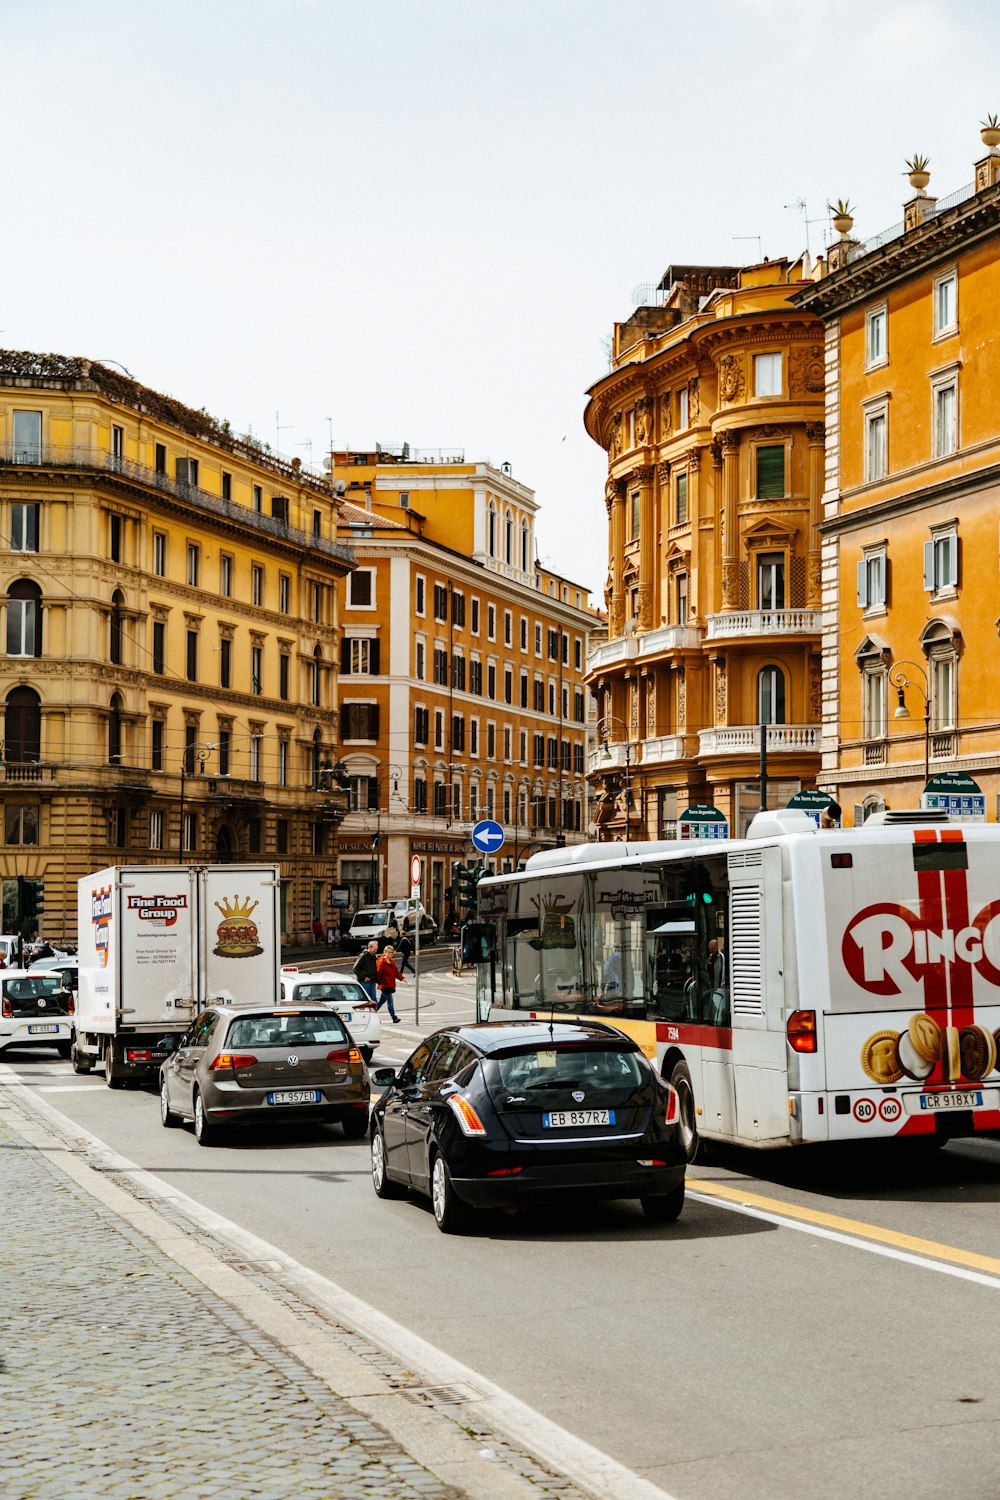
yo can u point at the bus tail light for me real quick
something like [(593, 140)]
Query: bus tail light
[(801, 1030), (673, 1113), (466, 1116)]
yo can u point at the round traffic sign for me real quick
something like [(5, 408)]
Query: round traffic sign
[(415, 870)]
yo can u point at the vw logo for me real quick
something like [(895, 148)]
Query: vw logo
[(41, 1004), (579, 1095), (293, 1061)]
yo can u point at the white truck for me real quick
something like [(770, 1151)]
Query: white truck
[(157, 943)]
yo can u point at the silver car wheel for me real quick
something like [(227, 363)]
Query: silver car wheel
[(378, 1161), (439, 1188), (167, 1116)]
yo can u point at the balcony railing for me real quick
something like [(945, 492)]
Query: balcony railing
[(757, 622), (669, 638), (668, 747), (744, 739), (53, 456)]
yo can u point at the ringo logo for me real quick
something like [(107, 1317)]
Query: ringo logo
[(887, 947)]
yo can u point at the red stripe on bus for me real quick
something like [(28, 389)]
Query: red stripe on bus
[(720, 1037)]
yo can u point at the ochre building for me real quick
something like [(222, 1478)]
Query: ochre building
[(461, 674), (910, 540), (170, 628), (713, 421)]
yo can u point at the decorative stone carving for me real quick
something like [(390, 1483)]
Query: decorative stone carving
[(642, 475), (615, 446), (666, 413), (694, 401), (681, 698), (730, 585), (806, 369), (816, 433), (663, 474), (651, 707), (616, 616), (729, 442), (644, 421), (645, 607), (815, 690), (609, 495), (814, 581), (716, 452), (732, 379), (720, 692), (633, 709)]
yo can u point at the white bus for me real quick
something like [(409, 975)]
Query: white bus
[(794, 986)]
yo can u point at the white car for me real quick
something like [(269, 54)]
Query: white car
[(342, 994), (35, 1011)]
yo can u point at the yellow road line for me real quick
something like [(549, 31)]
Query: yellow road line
[(909, 1242)]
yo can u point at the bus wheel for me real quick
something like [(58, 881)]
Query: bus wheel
[(680, 1078)]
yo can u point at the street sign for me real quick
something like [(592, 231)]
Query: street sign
[(415, 875), (955, 793), (702, 822), (487, 836), (812, 802)]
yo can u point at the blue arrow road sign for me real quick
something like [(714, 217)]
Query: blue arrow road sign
[(487, 836)]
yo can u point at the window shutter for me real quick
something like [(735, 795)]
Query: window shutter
[(345, 719), (373, 657), (863, 584), (373, 722), (929, 567), (345, 655), (886, 581), (953, 563), (770, 473)]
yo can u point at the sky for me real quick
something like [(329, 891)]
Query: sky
[(418, 220)]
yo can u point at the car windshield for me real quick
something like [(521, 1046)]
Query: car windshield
[(568, 1067), (33, 988), (332, 994), (290, 1028), (371, 919)]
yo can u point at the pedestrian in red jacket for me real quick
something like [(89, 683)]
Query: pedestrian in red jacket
[(388, 976)]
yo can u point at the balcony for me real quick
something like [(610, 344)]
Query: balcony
[(609, 653), (763, 622), (666, 748), (27, 771), (669, 638), (744, 739), (51, 456)]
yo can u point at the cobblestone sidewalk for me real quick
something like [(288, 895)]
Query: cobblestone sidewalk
[(122, 1376)]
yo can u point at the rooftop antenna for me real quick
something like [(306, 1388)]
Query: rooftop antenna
[(756, 237), (279, 428), (800, 204)]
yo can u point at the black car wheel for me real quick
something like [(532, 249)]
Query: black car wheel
[(65, 1049), (356, 1125), (381, 1181), (450, 1214), (680, 1078), (665, 1208), (167, 1117), (112, 1077), (367, 1053), (205, 1133), (81, 1064)]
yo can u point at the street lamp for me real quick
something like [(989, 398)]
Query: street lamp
[(604, 728), (901, 682)]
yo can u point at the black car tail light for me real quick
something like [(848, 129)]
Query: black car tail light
[(673, 1105), (468, 1120), (505, 1171)]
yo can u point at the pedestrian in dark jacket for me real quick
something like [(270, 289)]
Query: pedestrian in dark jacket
[(404, 949), (388, 975), (366, 970)]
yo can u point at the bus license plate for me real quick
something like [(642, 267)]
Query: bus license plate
[(42, 1030), (966, 1099), (562, 1117), (295, 1096)]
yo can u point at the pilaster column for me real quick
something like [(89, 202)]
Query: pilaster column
[(815, 433), (643, 479), (615, 495), (730, 443)]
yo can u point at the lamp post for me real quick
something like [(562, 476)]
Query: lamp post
[(901, 682), (521, 786), (604, 727)]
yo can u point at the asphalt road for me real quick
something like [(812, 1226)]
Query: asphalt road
[(818, 1323)]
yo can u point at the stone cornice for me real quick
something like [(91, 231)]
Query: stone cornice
[(955, 487)]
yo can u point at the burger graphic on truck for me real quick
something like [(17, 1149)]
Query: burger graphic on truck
[(236, 935)]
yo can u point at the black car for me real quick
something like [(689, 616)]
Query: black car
[(504, 1114)]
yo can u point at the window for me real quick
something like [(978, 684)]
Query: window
[(491, 741), (159, 646), (283, 671), (256, 585), (474, 616), (491, 534), (508, 754), (771, 696), (873, 689), (508, 685), (24, 619), (360, 589), (419, 794), (457, 733), (681, 596), (421, 606), (226, 576), (770, 459), (316, 600), (524, 690), (225, 750), (117, 444), (945, 304), (257, 669), (524, 547), (491, 681), (440, 602), (523, 746), (359, 658), (156, 745), (876, 337), (767, 374), (876, 442), (192, 656), (193, 562), (23, 528), (565, 650), (438, 729), (256, 746), (770, 580), (115, 731), (943, 684), (317, 523), (538, 749), (473, 801), (944, 393), (476, 676), (160, 554), (524, 634), (553, 645), (189, 834), (20, 823), (190, 748), (279, 508), (421, 725), (281, 836), (682, 408), (458, 610), (282, 762), (440, 666), (284, 593), (227, 485), (316, 685), (27, 437), (508, 543), (258, 499), (579, 706), (116, 622), (473, 736), (491, 622), (160, 458), (681, 500), (872, 579), (418, 660), (458, 673), (23, 726), (254, 835), (539, 696), (538, 638), (115, 526), (941, 562), (359, 721), (508, 628)]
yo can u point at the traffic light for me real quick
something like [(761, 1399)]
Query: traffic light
[(30, 902), (467, 881)]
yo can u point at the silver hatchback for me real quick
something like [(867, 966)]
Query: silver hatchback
[(237, 1065)]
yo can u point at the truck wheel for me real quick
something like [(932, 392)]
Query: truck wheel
[(112, 1077), (680, 1078), (205, 1133)]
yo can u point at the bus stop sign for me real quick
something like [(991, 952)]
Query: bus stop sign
[(702, 822)]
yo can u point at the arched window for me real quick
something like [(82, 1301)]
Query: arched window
[(115, 731), (23, 726), (491, 520), (771, 696), (117, 618), (317, 676), (524, 546), (24, 618)]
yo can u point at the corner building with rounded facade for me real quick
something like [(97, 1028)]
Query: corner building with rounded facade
[(712, 419)]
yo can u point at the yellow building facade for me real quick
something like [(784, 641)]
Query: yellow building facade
[(911, 548), (461, 674), (712, 419), (170, 629)]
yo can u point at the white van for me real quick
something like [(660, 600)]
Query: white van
[(387, 922)]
